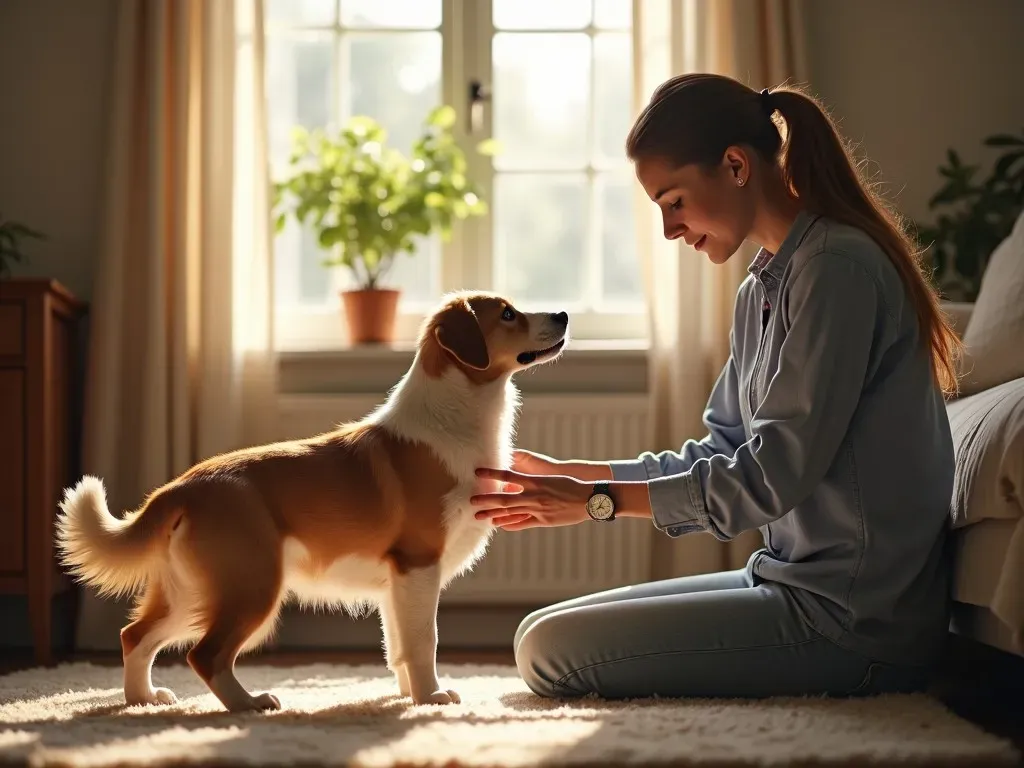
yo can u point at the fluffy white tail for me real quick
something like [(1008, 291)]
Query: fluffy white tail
[(98, 548)]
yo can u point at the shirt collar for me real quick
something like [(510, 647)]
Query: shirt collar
[(775, 264)]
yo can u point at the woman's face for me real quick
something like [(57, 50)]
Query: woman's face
[(709, 209)]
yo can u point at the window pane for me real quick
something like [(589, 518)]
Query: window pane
[(405, 14), (301, 12), (621, 278), (541, 14), (395, 78), (299, 87), (540, 239), (613, 14), (541, 99), (613, 95)]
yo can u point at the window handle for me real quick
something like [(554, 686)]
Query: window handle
[(478, 94)]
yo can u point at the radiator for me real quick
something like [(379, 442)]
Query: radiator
[(542, 565)]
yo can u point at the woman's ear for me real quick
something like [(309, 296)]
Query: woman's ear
[(737, 165)]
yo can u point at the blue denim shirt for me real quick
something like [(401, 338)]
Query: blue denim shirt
[(827, 433)]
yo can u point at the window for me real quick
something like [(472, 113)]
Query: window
[(557, 77)]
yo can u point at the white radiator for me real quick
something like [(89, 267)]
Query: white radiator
[(541, 565)]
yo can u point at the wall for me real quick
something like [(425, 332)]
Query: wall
[(909, 78), (55, 61)]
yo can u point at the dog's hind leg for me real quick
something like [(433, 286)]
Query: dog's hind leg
[(154, 627), (239, 617)]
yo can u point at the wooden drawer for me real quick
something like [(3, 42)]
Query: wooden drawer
[(12, 471), (12, 329)]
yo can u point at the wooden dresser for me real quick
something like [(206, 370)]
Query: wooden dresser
[(40, 423)]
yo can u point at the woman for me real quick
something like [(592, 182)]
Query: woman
[(827, 430)]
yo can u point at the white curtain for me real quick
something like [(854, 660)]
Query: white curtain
[(181, 362), (690, 300)]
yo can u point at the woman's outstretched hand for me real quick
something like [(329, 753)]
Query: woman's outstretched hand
[(532, 500), (530, 463)]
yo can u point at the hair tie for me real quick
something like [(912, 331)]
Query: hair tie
[(766, 102)]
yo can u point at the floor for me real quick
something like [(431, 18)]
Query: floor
[(981, 685)]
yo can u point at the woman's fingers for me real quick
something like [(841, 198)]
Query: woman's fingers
[(499, 504), (528, 522), (504, 476), (506, 519)]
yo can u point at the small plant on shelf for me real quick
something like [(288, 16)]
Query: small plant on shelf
[(368, 204)]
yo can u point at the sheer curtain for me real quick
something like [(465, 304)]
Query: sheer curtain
[(690, 300), (181, 362)]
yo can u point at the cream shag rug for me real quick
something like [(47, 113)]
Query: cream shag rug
[(335, 715)]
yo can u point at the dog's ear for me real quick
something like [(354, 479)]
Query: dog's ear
[(458, 331)]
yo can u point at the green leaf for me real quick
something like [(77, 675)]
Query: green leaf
[(442, 117), (1004, 140), (490, 147), (1006, 162)]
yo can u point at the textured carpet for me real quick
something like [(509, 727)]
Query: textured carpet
[(352, 715)]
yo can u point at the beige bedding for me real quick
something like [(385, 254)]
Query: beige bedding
[(989, 574), (987, 509)]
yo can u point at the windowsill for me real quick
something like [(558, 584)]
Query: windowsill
[(585, 367)]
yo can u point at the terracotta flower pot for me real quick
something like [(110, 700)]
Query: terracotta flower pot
[(371, 314)]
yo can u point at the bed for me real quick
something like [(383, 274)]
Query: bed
[(987, 420)]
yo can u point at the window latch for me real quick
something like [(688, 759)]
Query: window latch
[(478, 94)]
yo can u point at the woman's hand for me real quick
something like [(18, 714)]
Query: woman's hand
[(530, 463), (532, 500)]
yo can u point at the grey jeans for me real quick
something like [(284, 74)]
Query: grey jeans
[(713, 635)]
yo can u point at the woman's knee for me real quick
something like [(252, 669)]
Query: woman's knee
[(543, 655), (525, 625)]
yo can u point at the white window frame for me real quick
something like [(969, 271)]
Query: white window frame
[(467, 32)]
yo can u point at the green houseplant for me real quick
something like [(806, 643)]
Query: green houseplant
[(368, 204), (11, 235), (975, 215)]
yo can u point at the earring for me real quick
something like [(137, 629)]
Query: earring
[(740, 181)]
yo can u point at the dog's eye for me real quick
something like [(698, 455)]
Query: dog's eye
[(508, 314)]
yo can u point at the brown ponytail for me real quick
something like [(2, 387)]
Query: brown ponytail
[(816, 165)]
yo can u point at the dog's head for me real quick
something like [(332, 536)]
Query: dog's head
[(487, 337)]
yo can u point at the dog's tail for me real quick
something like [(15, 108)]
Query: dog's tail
[(110, 554)]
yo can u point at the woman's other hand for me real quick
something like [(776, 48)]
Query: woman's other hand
[(532, 500), (530, 463)]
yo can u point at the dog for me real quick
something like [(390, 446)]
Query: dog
[(374, 512)]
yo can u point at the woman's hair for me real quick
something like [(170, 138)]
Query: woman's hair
[(694, 118)]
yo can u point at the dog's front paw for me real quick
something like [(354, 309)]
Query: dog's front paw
[(439, 697), (264, 701), (154, 697)]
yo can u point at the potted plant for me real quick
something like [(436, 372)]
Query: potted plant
[(368, 203), (979, 215), (11, 234)]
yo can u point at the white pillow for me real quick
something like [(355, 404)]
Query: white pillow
[(994, 339)]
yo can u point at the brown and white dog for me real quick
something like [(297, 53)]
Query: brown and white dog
[(373, 512)]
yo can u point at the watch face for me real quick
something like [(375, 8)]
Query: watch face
[(600, 506)]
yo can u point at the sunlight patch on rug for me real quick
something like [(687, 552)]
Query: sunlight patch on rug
[(337, 715)]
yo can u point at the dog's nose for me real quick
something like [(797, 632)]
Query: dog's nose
[(561, 318)]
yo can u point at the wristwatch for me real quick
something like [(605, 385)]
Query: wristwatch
[(600, 505)]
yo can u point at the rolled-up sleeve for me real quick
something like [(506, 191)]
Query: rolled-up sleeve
[(835, 311)]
